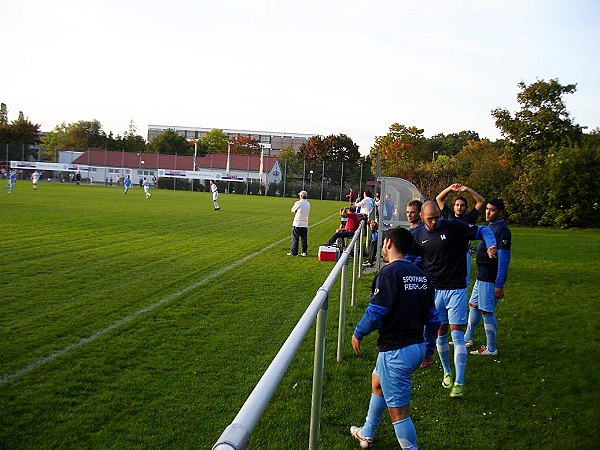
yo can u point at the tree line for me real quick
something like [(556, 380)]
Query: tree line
[(546, 167)]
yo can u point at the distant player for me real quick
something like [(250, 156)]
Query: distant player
[(146, 185), (491, 276), (12, 181), (215, 195), (35, 177), (127, 184)]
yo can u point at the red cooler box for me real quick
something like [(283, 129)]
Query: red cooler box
[(328, 253)]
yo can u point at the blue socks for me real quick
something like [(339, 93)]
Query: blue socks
[(491, 325), (444, 351), (377, 406), (460, 355), (406, 433), (474, 318)]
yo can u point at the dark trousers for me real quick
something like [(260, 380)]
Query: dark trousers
[(297, 234), (340, 234), (372, 251)]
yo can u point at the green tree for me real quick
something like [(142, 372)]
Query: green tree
[(313, 149), (402, 151), (215, 141), (543, 121), (169, 142), (340, 148), (451, 144), (20, 131), (79, 136), (548, 156), (244, 145)]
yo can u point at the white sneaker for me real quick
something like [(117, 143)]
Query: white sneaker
[(302, 254), (468, 344), (364, 442), (483, 351)]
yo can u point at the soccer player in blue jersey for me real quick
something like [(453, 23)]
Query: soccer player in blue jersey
[(401, 308), (459, 210), (12, 181), (443, 246), (491, 276), (126, 184)]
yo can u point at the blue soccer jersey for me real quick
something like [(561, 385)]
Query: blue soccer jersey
[(400, 306), (470, 217), (494, 270), (444, 251)]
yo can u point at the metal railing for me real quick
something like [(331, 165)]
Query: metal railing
[(237, 434)]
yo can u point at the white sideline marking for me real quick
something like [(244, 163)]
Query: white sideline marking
[(5, 379)]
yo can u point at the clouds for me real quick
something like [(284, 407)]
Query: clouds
[(352, 67)]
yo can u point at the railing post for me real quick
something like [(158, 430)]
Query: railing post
[(360, 247), (317, 391), (355, 269), (342, 315)]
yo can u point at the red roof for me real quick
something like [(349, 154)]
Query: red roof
[(180, 162)]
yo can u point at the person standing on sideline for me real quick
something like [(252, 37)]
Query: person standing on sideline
[(146, 185), (413, 216), (301, 211), (366, 205), (126, 184), (78, 179), (402, 309), (443, 246), (460, 211), (35, 177), (460, 204), (351, 196), (388, 207), (215, 194), (370, 262), (491, 276)]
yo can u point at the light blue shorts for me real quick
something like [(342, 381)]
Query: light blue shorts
[(395, 369), (484, 296), (452, 305)]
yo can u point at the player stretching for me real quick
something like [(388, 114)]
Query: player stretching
[(443, 245), (215, 195), (491, 276)]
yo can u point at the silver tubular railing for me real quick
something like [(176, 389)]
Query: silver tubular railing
[(237, 434)]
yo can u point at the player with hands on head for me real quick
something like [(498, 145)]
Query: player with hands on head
[(443, 247)]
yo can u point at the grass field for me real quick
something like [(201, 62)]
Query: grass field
[(133, 323)]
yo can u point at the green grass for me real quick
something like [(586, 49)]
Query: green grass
[(175, 350)]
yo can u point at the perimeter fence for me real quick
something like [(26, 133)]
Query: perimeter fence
[(237, 435), (326, 180)]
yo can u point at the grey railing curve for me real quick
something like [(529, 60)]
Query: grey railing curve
[(237, 434)]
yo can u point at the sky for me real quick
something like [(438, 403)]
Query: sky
[(316, 67)]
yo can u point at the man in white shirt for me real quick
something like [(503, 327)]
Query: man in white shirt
[(301, 211), (35, 177), (366, 205), (215, 194)]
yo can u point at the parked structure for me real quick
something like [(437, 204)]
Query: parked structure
[(272, 141), (101, 165)]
